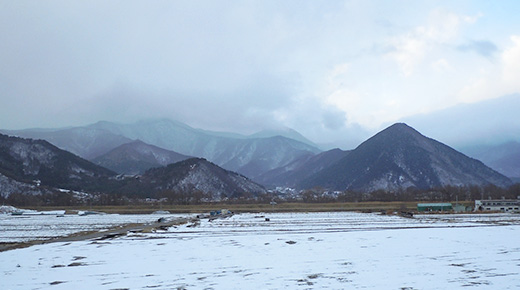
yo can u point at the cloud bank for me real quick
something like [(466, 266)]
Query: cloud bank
[(335, 71)]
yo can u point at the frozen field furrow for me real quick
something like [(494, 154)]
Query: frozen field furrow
[(39, 227)]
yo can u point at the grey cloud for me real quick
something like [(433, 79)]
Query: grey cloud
[(234, 65), (196, 61), (488, 122), (334, 119), (84, 62)]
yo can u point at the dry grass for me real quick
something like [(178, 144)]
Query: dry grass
[(280, 207)]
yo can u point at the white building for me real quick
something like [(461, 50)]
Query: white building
[(505, 205)]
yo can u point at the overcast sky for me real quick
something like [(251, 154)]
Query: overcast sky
[(332, 70)]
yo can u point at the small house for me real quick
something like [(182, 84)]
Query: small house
[(458, 208)]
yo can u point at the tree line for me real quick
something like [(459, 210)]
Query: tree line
[(314, 195)]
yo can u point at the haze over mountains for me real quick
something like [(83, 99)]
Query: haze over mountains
[(504, 158), (479, 130), (490, 122), (396, 158)]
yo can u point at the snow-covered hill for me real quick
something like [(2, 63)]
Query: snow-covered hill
[(197, 174), (30, 162)]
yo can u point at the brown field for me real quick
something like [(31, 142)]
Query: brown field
[(280, 207)]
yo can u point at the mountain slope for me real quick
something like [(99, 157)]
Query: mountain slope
[(9, 186), (248, 156), (137, 157), (199, 174), (299, 170), (400, 157), (25, 160), (253, 157)]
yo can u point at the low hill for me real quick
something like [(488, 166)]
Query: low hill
[(197, 174), (37, 161)]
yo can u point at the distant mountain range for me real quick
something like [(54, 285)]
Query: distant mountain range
[(248, 155), (36, 166), (400, 157), (396, 158)]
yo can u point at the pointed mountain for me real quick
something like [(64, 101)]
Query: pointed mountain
[(200, 175), (400, 157), (137, 157), (301, 169), (26, 160)]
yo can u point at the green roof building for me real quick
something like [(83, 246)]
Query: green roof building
[(434, 206)]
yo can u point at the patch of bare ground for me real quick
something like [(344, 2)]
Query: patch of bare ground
[(372, 206)]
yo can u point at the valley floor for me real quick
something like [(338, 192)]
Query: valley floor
[(327, 250), (369, 206)]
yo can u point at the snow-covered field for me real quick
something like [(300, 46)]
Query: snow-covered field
[(29, 227), (293, 250)]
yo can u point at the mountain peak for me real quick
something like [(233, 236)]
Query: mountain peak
[(400, 129), (400, 126), (395, 136)]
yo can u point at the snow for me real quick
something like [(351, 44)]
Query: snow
[(34, 225), (292, 250)]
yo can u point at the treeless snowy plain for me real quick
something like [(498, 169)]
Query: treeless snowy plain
[(343, 250)]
